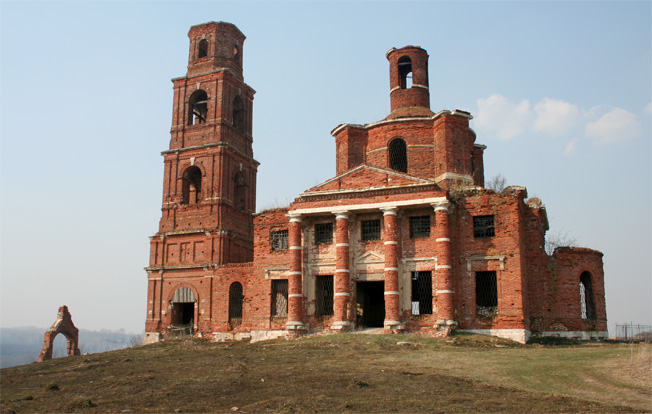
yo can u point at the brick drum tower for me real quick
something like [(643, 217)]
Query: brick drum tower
[(405, 237)]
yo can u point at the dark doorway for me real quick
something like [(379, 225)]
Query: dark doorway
[(183, 313), (370, 309)]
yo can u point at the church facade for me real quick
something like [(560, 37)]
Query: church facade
[(404, 237)]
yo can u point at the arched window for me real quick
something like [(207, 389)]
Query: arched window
[(586, 296), (239, 191), (398, 155), (197, 107), (236, 53), (235, 303), (405, 72), (191, 186), (238, 114), (203, 49)]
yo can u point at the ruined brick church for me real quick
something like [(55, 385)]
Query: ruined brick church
[(404, 237)]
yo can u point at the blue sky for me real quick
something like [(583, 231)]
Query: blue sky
[(561, 93)]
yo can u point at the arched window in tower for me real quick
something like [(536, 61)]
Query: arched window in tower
[(405, 72), (238, 114), (240, 191), (191, 186), (235, 303), (236, 53), (198, 107), (203, 49), (586, 296), (398, 155)]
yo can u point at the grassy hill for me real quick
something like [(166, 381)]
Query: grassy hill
[(339, 373)]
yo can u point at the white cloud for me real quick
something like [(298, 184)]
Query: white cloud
[(648, 109), (614, 126), (571, 147), (555, 117), (505, 120)]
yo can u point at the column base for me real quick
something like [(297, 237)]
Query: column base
[(394, 325), (295, 326), (445, 327), (341, 326)]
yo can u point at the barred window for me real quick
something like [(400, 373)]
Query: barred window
[(280, 298), (419, 227), (486, 293), (421, 293), (324, 295), (323, 233), (483, 226), (235, 303), (398, 155), (280, 240), (370, 230)]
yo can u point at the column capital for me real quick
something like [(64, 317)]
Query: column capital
[(294, 217), (341, 215), (443, 205), (389, 211)]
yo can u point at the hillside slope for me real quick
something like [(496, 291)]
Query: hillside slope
[(356, 373)]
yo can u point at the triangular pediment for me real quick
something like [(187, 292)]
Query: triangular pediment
[(370, 258), (366, 176)]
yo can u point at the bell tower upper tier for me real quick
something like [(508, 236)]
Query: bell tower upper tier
[(408, 77), (215, 45)]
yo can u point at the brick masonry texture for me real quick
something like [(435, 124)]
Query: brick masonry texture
[(218, 268)]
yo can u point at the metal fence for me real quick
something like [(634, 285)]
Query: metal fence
[(633, 333)]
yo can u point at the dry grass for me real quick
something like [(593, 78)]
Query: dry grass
[(338, 373)]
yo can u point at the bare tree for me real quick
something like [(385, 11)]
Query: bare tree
[(497, 183), (559, 239)]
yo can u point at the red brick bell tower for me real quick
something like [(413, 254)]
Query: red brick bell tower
[(209, 182)]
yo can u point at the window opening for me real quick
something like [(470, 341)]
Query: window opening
[(239, 192), (419, 227), (422, 293), (483, 226), (486, 293), (280, 298), (198, 104), (236, 53), (324, 296), (235, 303), (238, 114), (183, 312), (405, 72), (398, 155), (280, 240), (370, 230), (203, 48), (586, 297), (191, 186), (323, 233)]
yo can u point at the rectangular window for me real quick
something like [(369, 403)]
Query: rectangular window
[(324, 295), (483, 226), (486, 293), (280, 240), (421, 293), (280, 298), (419, 227), (370, 230), (323, 233)]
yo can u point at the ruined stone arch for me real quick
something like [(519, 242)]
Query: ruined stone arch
[(63, 325), (587, 296)]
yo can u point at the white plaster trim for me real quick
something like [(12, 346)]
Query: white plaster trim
[(342, 245), (342, 294), (391, 121), (391, 292), (295, 295), (295, 247), (418, 259), (518, 335), (390, 242), (371, 206), (296, 272), (454, 176), (389, 211), (442, 239), (416, 85), (342, 270), (444, 291), (342, 215), (389, 269), (437, 267), (480, 258), (294, 218)]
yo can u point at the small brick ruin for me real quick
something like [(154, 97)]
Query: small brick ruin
[(63, 325), (405, 237)]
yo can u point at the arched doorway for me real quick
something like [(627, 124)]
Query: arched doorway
[(183, 311)]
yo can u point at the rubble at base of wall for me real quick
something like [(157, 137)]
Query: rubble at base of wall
[(253, 336), (151, 338), (518, 335), (581, 335)]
